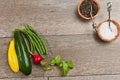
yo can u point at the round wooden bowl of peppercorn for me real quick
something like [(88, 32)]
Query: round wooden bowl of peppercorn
[(108, 32), (84, 9)]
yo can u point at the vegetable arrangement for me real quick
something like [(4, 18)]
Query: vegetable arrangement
[(26, 43)]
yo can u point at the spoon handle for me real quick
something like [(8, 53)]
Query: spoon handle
[(93, 23), (109, 8)]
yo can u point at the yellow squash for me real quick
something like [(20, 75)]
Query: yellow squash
[(12, 57)]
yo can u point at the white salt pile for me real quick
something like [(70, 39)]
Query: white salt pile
[(107, 32)]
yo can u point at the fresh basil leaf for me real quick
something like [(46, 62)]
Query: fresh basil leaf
[(57, 60), (65, 68), (70, 64), (60, 65), (53, 62)]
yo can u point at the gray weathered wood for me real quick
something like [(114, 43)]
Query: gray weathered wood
[(49, 17), (76, 39), (37, 78), (97, 77), (89, 54)]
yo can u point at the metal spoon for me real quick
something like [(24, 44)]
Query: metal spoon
[(93, 23), (109, 5)]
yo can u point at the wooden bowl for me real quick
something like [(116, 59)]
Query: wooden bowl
[(104, 39), (84, 17)]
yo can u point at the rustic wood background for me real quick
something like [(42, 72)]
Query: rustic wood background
[(66, 34)]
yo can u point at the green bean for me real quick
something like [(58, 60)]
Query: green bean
[(40, 38), (31, 42), (37, 46), (41, 45)]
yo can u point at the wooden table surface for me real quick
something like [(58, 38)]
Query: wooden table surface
[(66, 35)]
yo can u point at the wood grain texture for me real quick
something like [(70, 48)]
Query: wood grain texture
[(66, 34), (37, 78), (90, 56), (49, 17), (98, 77)]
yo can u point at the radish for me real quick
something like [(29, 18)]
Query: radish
[(36, 58)]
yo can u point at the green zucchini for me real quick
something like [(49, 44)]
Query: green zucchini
[(22, 53)]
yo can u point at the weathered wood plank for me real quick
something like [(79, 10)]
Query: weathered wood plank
[(38, 78), (49, 17), (98, 77), (89, 54), (5, 72)]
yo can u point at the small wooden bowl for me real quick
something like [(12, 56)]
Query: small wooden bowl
[(88, 18), (104, 39)]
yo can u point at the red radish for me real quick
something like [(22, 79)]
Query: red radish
[(36, 58)]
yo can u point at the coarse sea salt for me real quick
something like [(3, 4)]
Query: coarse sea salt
[(107, 32)]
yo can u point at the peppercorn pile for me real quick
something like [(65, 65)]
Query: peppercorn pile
[(85, 8)]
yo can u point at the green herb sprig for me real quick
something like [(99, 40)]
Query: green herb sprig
[(65, 66)]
